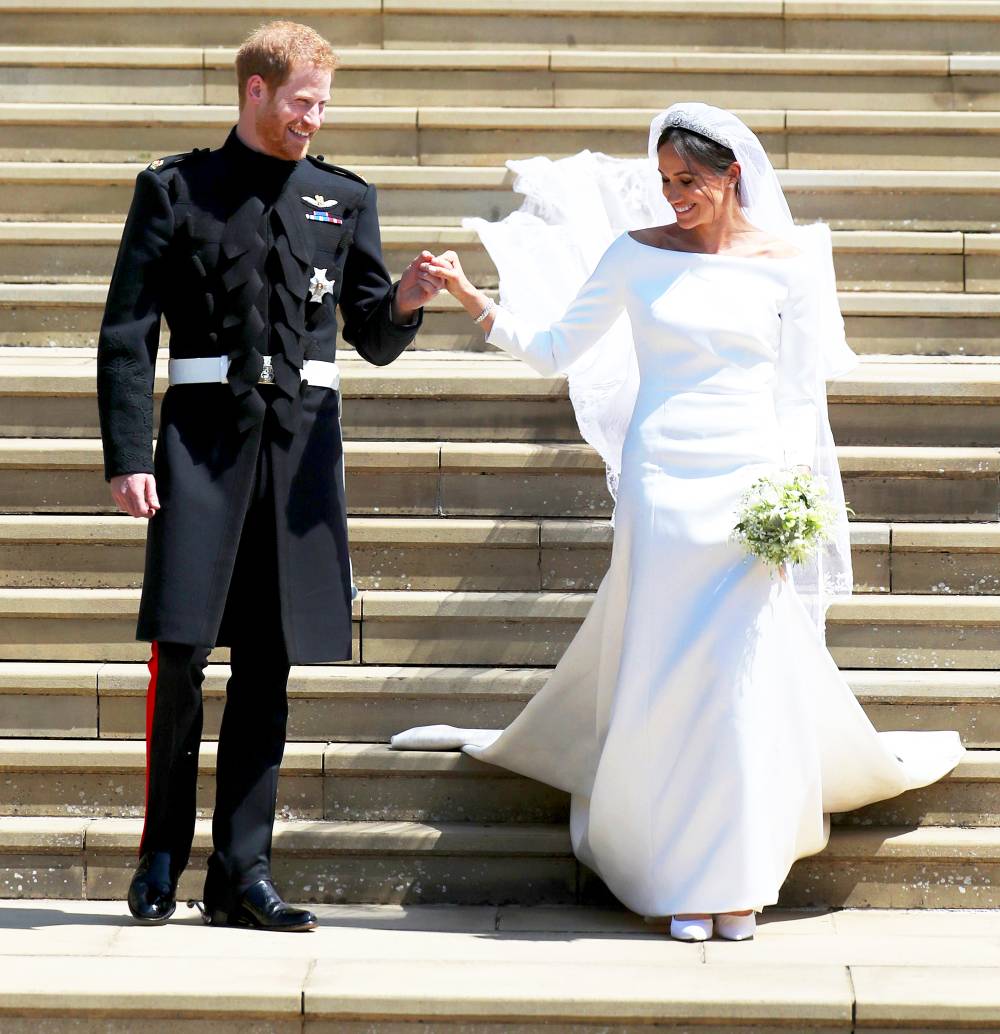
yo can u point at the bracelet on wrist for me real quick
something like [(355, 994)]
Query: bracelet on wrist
[(490, 306)]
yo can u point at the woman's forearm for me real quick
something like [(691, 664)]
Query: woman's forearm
[(475, 302)]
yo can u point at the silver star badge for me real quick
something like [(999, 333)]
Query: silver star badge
[(318, 201), (319, 286)]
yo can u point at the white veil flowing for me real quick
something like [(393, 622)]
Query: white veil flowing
[(575, 207)]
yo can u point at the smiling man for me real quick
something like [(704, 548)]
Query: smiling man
[(247, 251)]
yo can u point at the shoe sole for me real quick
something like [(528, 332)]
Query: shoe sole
[(221, 919), (152, 922), (248, 925)]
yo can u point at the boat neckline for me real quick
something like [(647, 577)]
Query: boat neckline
[(715, 254)]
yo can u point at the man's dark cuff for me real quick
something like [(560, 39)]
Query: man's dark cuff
[(415, 320), (127, 463)]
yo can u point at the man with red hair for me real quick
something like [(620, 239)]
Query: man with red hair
[(247, 251)]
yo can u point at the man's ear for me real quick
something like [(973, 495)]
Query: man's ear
[(256, 89)]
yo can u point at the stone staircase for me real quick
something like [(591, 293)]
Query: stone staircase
[(478, 517)]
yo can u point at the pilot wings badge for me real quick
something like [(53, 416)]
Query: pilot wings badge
[(318, 201)]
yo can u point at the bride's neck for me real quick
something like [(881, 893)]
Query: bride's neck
[(722, 234)]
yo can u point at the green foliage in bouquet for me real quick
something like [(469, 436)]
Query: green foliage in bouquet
[(784, 519)]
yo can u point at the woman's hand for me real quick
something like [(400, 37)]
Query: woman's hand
[(447, 268)]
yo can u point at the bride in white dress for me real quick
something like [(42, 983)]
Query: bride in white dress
[(697, 719)]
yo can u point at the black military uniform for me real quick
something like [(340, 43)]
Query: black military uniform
[(246, 256)]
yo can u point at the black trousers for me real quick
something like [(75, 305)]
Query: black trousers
[(252, 735)]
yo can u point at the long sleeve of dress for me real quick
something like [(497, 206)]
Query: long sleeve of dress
[(553, 349), (799, 371), (130, 331)]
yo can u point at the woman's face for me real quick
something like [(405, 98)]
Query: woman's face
[(696, 194)]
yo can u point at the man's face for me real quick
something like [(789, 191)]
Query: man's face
[(287, 118)]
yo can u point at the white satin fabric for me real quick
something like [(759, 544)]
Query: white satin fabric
[(575, 207), (697, 718)]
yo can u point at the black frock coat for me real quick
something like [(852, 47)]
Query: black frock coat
[(223, 244)]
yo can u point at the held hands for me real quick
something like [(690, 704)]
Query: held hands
[(135, 494), (417, 286), (447, 268)]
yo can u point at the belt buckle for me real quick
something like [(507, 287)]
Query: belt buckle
[(267, 373)]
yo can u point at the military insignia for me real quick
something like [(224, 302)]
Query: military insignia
[(156, 164), (318, 201), (319, 286), (324, 217)]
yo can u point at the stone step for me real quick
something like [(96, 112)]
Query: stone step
[(352, 782), (503, 970), (425, 396), (487, 479), (477, 555), (490, 555), (861, 199), (467, 863), (571, 77), (78, 252), (935, 26), (446, 136), (877, 322), (84, 700), (504, 628)]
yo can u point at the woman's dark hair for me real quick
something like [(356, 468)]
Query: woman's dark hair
[(700, 150)]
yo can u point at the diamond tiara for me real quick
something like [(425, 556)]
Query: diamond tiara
[(683, 121)]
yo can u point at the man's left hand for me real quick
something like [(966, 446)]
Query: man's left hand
[(416, 289)]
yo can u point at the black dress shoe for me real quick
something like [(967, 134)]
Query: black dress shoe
[(153, 891), (261, 908)]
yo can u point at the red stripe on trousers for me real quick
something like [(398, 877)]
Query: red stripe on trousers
[(154, 672)]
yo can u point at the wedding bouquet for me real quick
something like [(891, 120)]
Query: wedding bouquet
[(785, 518)]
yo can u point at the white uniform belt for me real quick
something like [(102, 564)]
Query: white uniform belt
[(213, 370)]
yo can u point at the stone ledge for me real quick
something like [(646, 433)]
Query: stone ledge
[(896, 242), (185, 988), (892, 10), (852, 303), (933, 997), (622, 8), (64, 372), (356, 59), (69, 678), (479, 177), (101, 57), (290, 7), (151, 115), (35, 755), (564, 993), (364, 838), (42, 835)]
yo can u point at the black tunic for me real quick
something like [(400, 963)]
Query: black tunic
[(223, 244)]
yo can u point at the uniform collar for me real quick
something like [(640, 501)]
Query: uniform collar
[(256, 164)]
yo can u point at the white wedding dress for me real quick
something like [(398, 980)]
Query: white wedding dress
[(697, 718)]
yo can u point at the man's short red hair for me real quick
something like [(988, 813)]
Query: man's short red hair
[(272, 50)]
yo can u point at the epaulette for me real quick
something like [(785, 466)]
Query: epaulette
[(320, 163), (173, 159)]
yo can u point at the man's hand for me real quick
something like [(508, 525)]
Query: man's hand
[(416, 288), (135, 494)]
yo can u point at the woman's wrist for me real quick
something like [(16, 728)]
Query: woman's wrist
[(471, 298)]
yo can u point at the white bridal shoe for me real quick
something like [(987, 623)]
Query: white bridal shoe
[(736, 928), (691, 929)]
